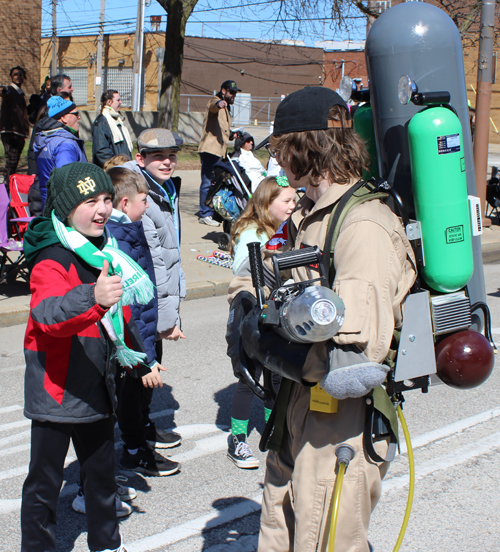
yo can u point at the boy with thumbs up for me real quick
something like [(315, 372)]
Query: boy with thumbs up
[(72, 334)]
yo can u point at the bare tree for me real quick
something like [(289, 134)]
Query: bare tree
[(345, 18), (178, 12)]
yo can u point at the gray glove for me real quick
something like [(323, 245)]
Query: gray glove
[(350, 373)]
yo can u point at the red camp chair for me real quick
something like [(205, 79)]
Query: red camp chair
[(19, 187), (12, 260)]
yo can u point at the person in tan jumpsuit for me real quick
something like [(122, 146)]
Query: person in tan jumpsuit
[(375, 268)]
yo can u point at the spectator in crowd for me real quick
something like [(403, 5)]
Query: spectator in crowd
[(38, 100), (57, 144), (243, 153), (110, 136), (14, 123), (135, 395), (61, 85), (215, 135)]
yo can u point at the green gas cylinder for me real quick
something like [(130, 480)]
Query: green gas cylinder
[(363, 125), (440, 195)]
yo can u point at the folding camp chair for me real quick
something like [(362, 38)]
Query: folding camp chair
[(19, 187), (12, 260)]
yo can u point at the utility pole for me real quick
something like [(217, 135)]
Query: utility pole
[(98, 74), (53, 66), (160, 54), (483, 98), (138, 53)]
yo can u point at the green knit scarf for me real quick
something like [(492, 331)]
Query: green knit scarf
[(137, 287)]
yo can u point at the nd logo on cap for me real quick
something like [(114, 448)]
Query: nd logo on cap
[(86, 186)]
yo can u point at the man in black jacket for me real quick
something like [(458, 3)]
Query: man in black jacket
[(14, 124)]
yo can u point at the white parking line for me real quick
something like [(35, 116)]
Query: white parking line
[(459, 456), (15, 438), (8, 505), (14, 450), (14, 425), (209, 445), (23, 470), (11, 408), (451, 429), (194, 527)]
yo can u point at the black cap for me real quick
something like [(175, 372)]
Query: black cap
[(230, 86), (245, 137), (307, 109)]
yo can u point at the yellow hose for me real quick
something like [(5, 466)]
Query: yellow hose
[(411, 489), (335, 506)]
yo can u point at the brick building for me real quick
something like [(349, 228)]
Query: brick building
[(20, 29), (264, 71)]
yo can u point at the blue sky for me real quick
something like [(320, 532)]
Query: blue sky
[(211, 18)]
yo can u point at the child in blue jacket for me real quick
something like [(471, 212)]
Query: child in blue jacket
[(134, 395)]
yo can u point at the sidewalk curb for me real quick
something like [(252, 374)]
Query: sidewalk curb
[(13, 315)]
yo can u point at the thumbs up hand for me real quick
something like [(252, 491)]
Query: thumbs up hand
[(108, 289)]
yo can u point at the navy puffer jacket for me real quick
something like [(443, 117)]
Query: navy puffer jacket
[(132, 241)]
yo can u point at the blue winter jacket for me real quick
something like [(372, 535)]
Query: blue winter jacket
[(132, 241), (56, 148)]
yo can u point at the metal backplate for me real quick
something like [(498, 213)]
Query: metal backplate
[(416, 355)]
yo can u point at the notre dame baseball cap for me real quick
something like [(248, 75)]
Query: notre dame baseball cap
[(230, 85), (307, 109)]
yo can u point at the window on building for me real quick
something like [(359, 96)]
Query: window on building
[(79, 79), (122, 79), (382, 6)]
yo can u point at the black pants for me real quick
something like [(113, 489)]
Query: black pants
[(13, 145), (94, 446), (243, 397), (134, 403)]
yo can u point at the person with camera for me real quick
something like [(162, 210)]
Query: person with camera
[(215, 135)]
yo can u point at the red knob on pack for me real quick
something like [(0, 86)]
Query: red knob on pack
[(464, 359)]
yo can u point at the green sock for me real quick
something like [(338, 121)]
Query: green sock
[(267, 413), (239, 427)]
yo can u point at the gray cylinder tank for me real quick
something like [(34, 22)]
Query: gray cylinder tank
[(421, 41)]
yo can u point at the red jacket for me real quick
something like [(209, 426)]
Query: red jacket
[(69, 371)]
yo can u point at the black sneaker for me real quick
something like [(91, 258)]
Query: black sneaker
[(148, 462), (240, 452), (162, 439)]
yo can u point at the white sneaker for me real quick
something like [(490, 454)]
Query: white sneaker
[(124, 493), (122, 508), (209, 221)]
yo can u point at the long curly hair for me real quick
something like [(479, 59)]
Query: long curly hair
[(257, 211), (337, 153)]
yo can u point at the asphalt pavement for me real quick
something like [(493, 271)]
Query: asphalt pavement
[(212, 506)]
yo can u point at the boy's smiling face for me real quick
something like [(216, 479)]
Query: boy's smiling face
[(90, 216), (159, 164), (134, 207)]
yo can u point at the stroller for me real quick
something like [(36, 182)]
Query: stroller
[(228, 196)]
